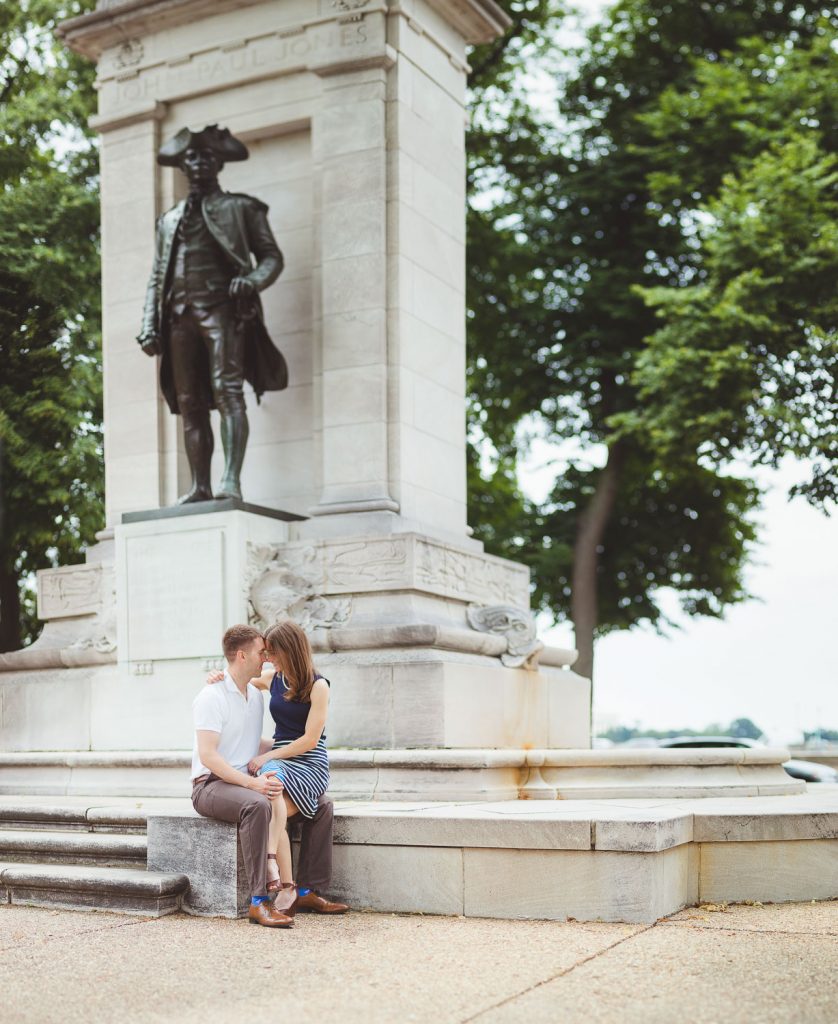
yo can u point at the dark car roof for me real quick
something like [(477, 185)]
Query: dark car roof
[(708, 741)]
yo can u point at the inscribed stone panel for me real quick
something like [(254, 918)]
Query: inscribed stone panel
[(175, 594)]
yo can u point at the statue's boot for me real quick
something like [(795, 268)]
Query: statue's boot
[(197, 438), (234, 434)]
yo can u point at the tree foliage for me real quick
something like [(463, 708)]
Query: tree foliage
[(746, 360), (50, 373), (586, 221)]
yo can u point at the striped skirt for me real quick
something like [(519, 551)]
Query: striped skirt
[(305, 777)]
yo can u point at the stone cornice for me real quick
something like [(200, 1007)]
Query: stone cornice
[(478, 21), (114, 23)]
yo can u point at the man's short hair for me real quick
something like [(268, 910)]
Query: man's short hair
[(238, 637)]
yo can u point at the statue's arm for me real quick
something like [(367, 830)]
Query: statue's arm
[(149, 336), (269, 261)]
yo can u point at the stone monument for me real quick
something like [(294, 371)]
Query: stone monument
[(353, 114)]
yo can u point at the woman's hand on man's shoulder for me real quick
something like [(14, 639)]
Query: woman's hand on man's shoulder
[(215, 676)]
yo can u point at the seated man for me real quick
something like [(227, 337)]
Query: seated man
[(228, 730)]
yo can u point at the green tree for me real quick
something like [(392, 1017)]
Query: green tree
[(745, 364), (744, 728), (50, 373), (568, 230)]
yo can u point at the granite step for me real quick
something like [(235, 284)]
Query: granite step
[(43, 846), (80, 887), (117, 816)]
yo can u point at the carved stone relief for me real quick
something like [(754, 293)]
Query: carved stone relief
[(288, 585), (470, 576), (69, 591), (129, 54), (367, 563), (518, 628), (407, 562)]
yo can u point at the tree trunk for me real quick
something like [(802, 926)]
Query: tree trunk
[(584, 605), (10, 639), (9, 592)]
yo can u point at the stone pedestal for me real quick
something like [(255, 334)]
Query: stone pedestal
[(180, 581), (209, 854)]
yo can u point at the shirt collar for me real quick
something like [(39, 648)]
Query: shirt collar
[(231, 687)]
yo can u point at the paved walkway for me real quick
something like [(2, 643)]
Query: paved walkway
[(749, 964)]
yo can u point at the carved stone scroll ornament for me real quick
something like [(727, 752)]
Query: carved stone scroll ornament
[(279, 590), (515, 624), (129, 54), (349, 5)]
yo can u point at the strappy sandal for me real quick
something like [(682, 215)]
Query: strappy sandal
[(286, 898), (274, 884)]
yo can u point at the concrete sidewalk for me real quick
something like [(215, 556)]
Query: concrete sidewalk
[(743, 964)]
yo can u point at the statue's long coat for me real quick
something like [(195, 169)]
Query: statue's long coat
[(239, 224)]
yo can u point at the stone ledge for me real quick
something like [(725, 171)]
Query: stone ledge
[(757, 828), (76, 847), (442, 775), (426, 758), (123, 890), (643, 836)]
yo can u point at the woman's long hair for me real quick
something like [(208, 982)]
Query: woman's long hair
[(287, 642)]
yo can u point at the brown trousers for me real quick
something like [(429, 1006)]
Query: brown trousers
[(314, 867), (214, 798), (251, 811)]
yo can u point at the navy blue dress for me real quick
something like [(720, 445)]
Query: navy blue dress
[(306, 776)]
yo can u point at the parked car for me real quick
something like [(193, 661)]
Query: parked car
[(809, 771)]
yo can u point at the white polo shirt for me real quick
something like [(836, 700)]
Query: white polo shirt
[(221, 708)]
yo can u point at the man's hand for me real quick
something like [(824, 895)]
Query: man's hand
[(268, 784), (215, 676), (151, 344), (242, 288)]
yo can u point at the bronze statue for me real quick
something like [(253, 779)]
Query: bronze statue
[(202, 312)]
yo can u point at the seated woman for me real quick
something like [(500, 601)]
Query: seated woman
[(299, 706)]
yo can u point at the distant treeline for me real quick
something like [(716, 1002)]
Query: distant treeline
[(741, 728)]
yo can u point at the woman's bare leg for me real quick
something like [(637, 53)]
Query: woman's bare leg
[(281, 840), (276, 833)]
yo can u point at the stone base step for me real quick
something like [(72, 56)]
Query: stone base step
[(111, 815), (628, 860), (440, 775), (75, 887), (102, 849), (632, 861)]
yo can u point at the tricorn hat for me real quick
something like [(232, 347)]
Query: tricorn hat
[(225, 146)]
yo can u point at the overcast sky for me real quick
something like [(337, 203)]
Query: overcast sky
[(773, 659)]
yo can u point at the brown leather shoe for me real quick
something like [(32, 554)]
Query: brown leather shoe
[(265, 914), (311, 903)]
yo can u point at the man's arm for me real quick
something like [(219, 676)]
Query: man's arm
[(210, 758)]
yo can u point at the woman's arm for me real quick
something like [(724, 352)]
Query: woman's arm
[(315, 724), (262, 682)]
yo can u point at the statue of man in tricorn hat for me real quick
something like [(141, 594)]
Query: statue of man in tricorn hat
[(215, 252)]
